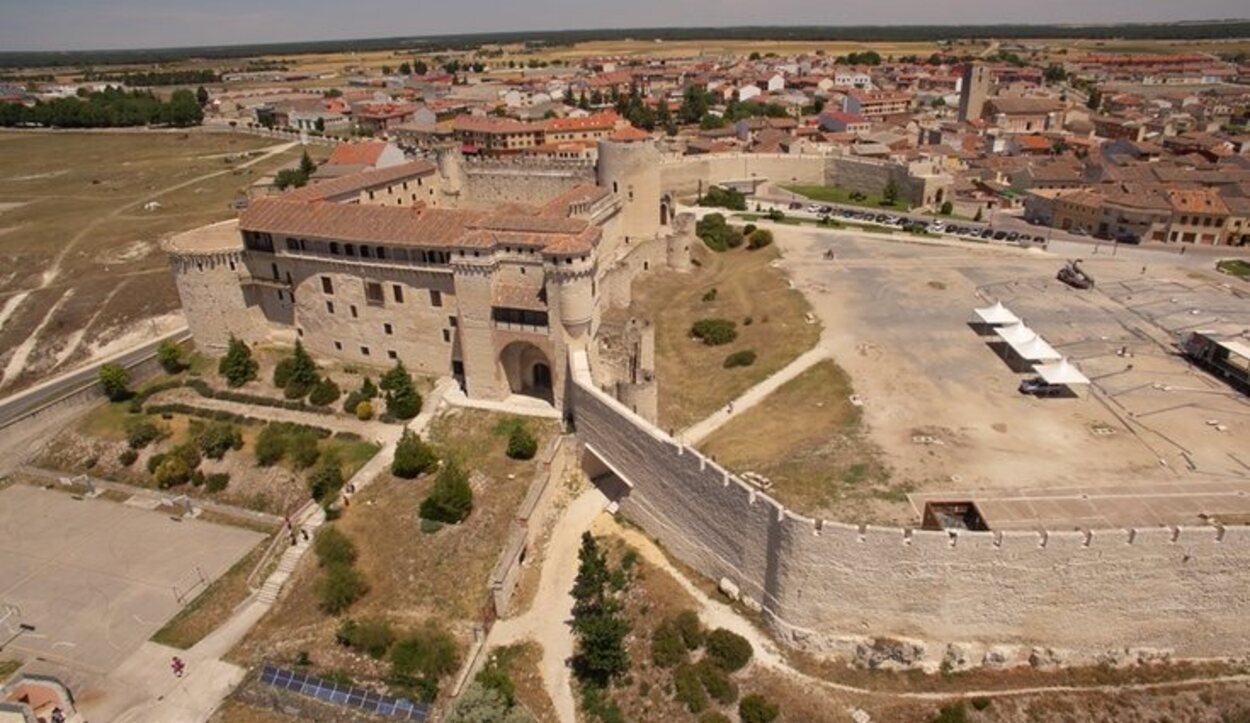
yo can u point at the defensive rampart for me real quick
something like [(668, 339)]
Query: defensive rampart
[(967, 598)]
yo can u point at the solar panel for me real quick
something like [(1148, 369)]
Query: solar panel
[(338, 694)]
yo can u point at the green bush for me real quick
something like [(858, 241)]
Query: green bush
[(716, 682), (759, 238), (521, 444), (351, 401), (370, 636), (713, 716), (270, 446), (141, 432), (710, 296), (169, 355), (730, 198), (339, 587), (717, 234), (115, 381), (689, 689), (427, 654), (667, 647), (364, 410), (302, 449), (953, 713), (744, 358), (218, 438), (451, 500), (127, 457), (687, 623), (325, 480), (216, 482), (188, 452), (324, 393), (412, 456), (402, 399), (775, 215), (729, 649), (282, 372), (237, 366), (714, 332), (749, 229), (155, 461), (756, 708), (332, 547), (172, 472)]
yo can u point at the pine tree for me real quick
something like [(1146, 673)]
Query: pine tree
[(306, 166), (402, 399), (301, 375), (237, 366), (451, 500), (412, 456)]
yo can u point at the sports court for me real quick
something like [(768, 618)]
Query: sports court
[(97, 578)]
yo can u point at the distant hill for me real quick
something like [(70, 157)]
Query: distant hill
[(1190, 30)]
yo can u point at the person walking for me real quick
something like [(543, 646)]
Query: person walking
[(177, 666)]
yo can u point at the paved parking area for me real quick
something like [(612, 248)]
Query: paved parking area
[(97, 578)]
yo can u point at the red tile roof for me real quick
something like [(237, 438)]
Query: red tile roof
[(357, 154), (357, 182)]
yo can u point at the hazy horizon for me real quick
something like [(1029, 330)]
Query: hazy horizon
[(68, 25)]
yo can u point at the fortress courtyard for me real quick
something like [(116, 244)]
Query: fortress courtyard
[(1153, 442)]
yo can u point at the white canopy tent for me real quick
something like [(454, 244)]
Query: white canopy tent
[(1061, 372), (996, 315), (1015, 333), (1035, 349)]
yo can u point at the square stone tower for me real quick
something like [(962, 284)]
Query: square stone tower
[(973, 92)]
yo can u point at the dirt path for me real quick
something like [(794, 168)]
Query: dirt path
[(547, 620)]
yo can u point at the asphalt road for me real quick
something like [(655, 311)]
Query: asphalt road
[(15, 406)]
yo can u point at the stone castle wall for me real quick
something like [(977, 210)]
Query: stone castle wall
[(487, 183), (826, 586)]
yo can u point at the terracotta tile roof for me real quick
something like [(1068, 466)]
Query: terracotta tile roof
[(417, 226), (629, 134), (357, 154), (1025, 106), (357, 182), (597, 121), (1196, 201), (515, 296), (485, 124)]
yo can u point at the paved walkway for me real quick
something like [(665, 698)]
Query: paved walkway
[(144, 680), (547, 620), (514, 404)]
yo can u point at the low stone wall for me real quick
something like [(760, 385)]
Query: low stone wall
[(967, 598)]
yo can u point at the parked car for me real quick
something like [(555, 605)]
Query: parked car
[(1039, 388), (1000, 235), (795, 206), (986, 233), (1013, 236)]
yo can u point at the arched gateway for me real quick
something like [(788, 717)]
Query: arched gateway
[(528, 370)]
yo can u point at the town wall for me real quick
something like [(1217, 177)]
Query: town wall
[(996, 597)]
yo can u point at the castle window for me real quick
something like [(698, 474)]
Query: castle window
[(327, 285), (330, 307), (232, 266), (371, 195), (280, 297), (436, 297), (364, 252), (338, 345), (364, 351), (399, 293), (292, 244), (380, 252), (452, 322), (349, 249), (373, 293), (447, 335), (392, 354), (288, 278), (354, 313), (334, 248), (276, 276), (388, 329), (299, 331)]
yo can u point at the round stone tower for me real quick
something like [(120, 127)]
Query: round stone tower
[(571, 280), (450, 163), (208, 268), (629, 167)]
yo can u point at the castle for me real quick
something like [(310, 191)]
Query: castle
[(487, 272)]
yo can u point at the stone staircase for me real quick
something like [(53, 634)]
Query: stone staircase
[(291, 556)]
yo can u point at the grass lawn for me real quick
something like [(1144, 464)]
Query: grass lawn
[(808, 439), (213, 606), (412, 577), (522, 663), (833, 224), (692, 379), (837, 194), (1235, 267)]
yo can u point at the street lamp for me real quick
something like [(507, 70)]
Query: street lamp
[(22, 629)]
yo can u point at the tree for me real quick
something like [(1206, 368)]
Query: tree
[(201, 96), (521, 443), (759, 238), (947, 208), (172, 471), (757, 709), (339, 587), (600, 631), (412, 456), (218, 438), (306, 165), (325, 480), (889, 196), (169, 355), (237, 366), (405, 68), (419, 67), (451, 500), (402, 399), (1094, 102), (324, 393), (302, 375), (730, 650), (115, 381), (1054, 73)]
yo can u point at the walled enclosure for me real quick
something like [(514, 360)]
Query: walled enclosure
[(994, 597)]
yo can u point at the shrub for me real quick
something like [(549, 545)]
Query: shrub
[(667, 647), (402, 399), (217, 438), (714, 332), (494, 676), (749, 229), (757, 709), (716, 682), (451, 500), (521, 443), (744, 358), (325, 480), (947, 208), (426, 654), (302, 448), (237, 366), (759, 238), (339, 587), (412, 456), (716, 234), (980, 703), (364, 410), (729, 649), (155, 461), (270, 446), (332, 547), (171, 472), (169, 355), (730, 198), (351, 401), (216, 482), (282, 372), (324, 393), (713, 716), (127, 457), (481, 703), (115, 381), (775, 215), (710, 295), (370, 636), (689, 689), (687, 623), (141, 432), (953, 713)]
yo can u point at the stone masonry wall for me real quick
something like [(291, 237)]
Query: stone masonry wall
[(995, 597), (488, 185)]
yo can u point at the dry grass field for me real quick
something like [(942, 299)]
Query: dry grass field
[(692, 379), (80, 266)]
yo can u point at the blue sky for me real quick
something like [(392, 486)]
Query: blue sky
[(87, 24)]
